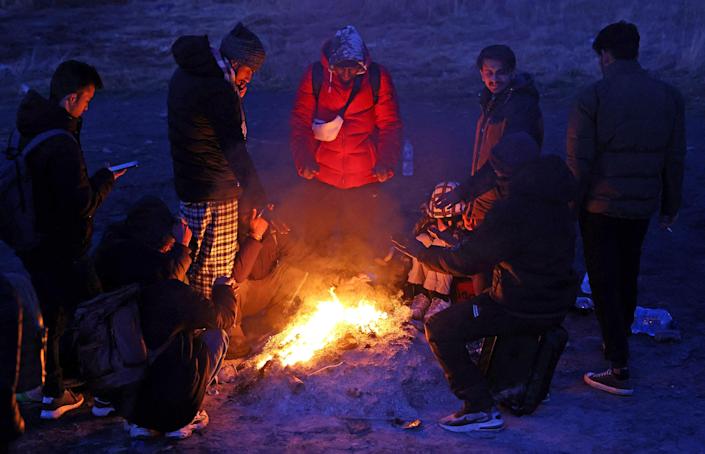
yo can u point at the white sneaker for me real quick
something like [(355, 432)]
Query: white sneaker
[(480, 421), (419, 305), (199, 422), (437, 305), (102, 408)]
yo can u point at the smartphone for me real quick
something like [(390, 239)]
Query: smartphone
[(127, 165)]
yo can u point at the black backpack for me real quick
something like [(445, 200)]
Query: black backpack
[(17, 216), (317, 80), (109, 341)]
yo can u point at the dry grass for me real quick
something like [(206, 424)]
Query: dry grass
[(428, 45)]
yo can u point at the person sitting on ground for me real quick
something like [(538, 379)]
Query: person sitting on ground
[(149, 245), (528, 239), (440, 227)]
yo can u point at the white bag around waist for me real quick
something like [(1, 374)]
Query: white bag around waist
[(327, 131)]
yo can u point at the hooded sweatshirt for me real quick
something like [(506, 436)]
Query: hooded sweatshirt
[(208, 148), (527, 239), (65, 198), (371, 133)]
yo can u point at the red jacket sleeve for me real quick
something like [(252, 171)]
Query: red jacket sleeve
[(388, 123), (303, 145)]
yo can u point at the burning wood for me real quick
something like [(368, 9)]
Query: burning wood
[(330, 323)]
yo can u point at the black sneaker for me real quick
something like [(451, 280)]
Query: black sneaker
[(55, 407), (470, 421), (609, 382)]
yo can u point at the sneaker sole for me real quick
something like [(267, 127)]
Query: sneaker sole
[(485, 426), (608, 389), (102, 412), (59, 412)]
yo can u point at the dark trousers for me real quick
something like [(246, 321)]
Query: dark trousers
[(612, 249), (450, 330), (61, 283)]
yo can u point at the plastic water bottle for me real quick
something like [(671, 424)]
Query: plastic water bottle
[(651, 321), (585, 285), (407, 164)]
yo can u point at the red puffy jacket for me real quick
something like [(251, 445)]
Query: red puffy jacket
[(371, 133)]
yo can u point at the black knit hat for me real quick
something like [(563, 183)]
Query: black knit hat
[(149, 221), (243, 46)]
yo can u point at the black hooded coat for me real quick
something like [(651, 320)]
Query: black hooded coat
[(527, 239), (208, 148)]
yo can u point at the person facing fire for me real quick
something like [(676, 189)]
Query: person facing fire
[(509, 104), (626, 146), (346, 139), (528, 239), (207, 132), (439, 227)]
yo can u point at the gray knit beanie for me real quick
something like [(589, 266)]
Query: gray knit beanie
[(243, 46)]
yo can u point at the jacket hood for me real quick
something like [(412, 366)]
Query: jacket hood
[(193, 54), (347, 44), (37, 114), (523, 83), (546, 178)]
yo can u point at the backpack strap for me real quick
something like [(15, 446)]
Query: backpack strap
[(316, 82), (375, 81), (44, 136)]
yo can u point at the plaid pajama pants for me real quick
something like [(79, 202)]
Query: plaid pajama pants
[(214, 227)]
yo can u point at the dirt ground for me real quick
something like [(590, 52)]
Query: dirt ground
[(666, 414)]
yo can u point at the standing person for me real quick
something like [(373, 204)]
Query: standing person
[(65, 202), (207, 132), (346, 139), (626, 146), (509, 104)]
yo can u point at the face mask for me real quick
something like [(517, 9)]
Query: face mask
[(327, 131)]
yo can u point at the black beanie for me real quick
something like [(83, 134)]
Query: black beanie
[(243, 46), (149, 221)]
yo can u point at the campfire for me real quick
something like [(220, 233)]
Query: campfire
[(328, 323)]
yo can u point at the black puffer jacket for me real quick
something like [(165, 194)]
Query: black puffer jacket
[(208, 148), (65, 199), (516, 109), (626, 144), (528, 239)]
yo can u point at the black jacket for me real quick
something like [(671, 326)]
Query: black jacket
[(174, 386), (65, 199), (626, 144), (121, 260), (516, 109), (528, 239), (208, 148)]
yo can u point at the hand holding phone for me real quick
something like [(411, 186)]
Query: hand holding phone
[(124, 166)]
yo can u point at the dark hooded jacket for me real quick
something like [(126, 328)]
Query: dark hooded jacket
[(626, 144), (528, 239), (516, 109), (65, 198), (130, 250), (173, 389), (208, 148)]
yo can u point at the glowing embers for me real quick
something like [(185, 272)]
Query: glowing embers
[(322, 326)]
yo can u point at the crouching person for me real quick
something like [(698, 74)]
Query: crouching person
[(189, 333), (528, 239)]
